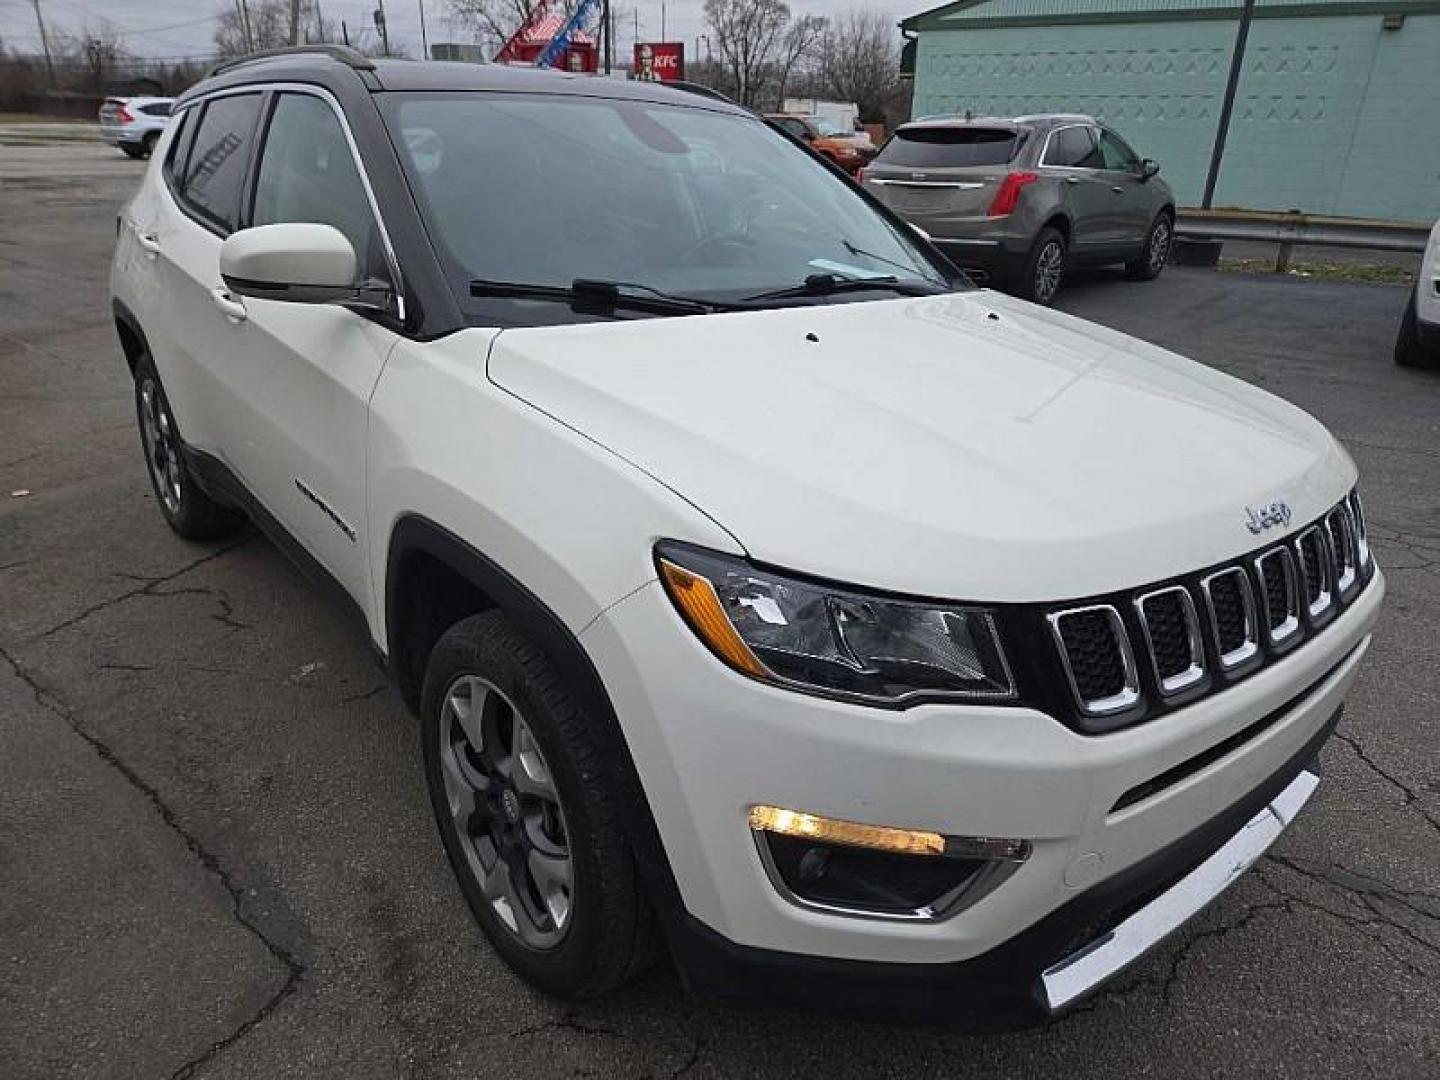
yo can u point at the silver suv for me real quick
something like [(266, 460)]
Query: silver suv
[(1016, 202)]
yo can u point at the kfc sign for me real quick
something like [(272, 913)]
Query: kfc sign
[(659, 61)]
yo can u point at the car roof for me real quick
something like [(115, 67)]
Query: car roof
[(381, 75)]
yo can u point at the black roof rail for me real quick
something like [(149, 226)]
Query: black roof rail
[(350, 57)]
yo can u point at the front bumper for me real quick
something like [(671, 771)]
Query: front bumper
[(709, 744)]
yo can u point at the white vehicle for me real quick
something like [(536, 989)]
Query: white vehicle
[(134, 124), (1418, 343), (763, 590)]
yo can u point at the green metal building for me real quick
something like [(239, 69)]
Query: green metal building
[(1337, 109)]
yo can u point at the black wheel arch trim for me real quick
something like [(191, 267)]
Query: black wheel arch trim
[(414, 533)]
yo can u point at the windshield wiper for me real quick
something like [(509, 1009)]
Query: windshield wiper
[(599, 295), (828, 284)]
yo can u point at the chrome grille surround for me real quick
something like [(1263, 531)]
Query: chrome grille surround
[(1316, 541), (1362, 540), (1340, 523), (1129, 694), (1249, 649), (1183, 680), (1279, 631)]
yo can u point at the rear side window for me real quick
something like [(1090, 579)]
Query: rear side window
[(933, 148), (215, 168), (180, 146), (1073, 148), (160, 108), (308, 174)]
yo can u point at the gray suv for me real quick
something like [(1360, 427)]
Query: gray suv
[(1016, 202)]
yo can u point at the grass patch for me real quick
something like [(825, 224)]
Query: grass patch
[(37, 118), (1366, 273)]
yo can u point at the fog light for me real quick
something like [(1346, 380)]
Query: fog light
[(878, 870)]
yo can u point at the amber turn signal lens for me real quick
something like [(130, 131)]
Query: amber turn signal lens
[(696, 599), (829, 831)]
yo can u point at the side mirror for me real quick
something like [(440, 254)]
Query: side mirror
[(299, 262), (1149, 168)]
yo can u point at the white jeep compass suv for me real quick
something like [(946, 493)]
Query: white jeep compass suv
[(764, 591)]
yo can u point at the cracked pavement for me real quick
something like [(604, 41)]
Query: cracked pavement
[(216, 857)]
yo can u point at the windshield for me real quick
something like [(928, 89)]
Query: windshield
[(543, 189), (831, 130)]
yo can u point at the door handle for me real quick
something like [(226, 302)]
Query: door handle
[(1072, 179), (149, 242), (1117, 189), (232, 307)]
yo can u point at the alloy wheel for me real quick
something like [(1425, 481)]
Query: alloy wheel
[(157, 431), (1159, 245), (1048, 269), (506, 811)]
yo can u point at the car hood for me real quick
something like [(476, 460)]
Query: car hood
[(966, 445)]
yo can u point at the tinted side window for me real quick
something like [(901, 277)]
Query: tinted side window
[(307, 173), (160, 108), (1072, 147), (180, 146), (215, 170), (943, 147), (1117, 154)]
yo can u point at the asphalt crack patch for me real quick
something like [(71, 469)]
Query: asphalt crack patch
[(149, 587), (1412, 797), (294, 967)]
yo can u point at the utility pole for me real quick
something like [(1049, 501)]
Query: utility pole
[(606, 29), (45, 43), (345, 33), (294, 35), (1222, 130), (424, 38), (662, 21), (382, 27)]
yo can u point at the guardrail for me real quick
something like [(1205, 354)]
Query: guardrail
[(1297, 228)]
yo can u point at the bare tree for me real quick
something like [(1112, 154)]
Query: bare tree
[(494, 22), (748, 36), (860, 62), (272, 24), (98, 51), (799, 48)]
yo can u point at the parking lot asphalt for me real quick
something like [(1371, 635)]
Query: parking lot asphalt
[(216, 854)]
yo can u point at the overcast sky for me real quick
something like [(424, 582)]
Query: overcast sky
[(175, 28)]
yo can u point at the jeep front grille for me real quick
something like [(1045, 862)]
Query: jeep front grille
[(1186, 635)]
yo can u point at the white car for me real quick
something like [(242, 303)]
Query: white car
[(1418, 343), (763, 591), (134, 124)]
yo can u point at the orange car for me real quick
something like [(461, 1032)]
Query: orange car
[(848, 149)]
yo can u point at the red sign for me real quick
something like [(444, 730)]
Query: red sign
[(659, 61)]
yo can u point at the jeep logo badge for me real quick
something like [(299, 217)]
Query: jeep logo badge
[(1260, 518)]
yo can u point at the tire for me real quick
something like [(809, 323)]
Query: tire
[(1409, 352), (1040, 278), (131, 150), (551, 802), (1156, 252), (147, 145), (188, 510)]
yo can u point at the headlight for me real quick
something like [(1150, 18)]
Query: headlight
[(834, 641)]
